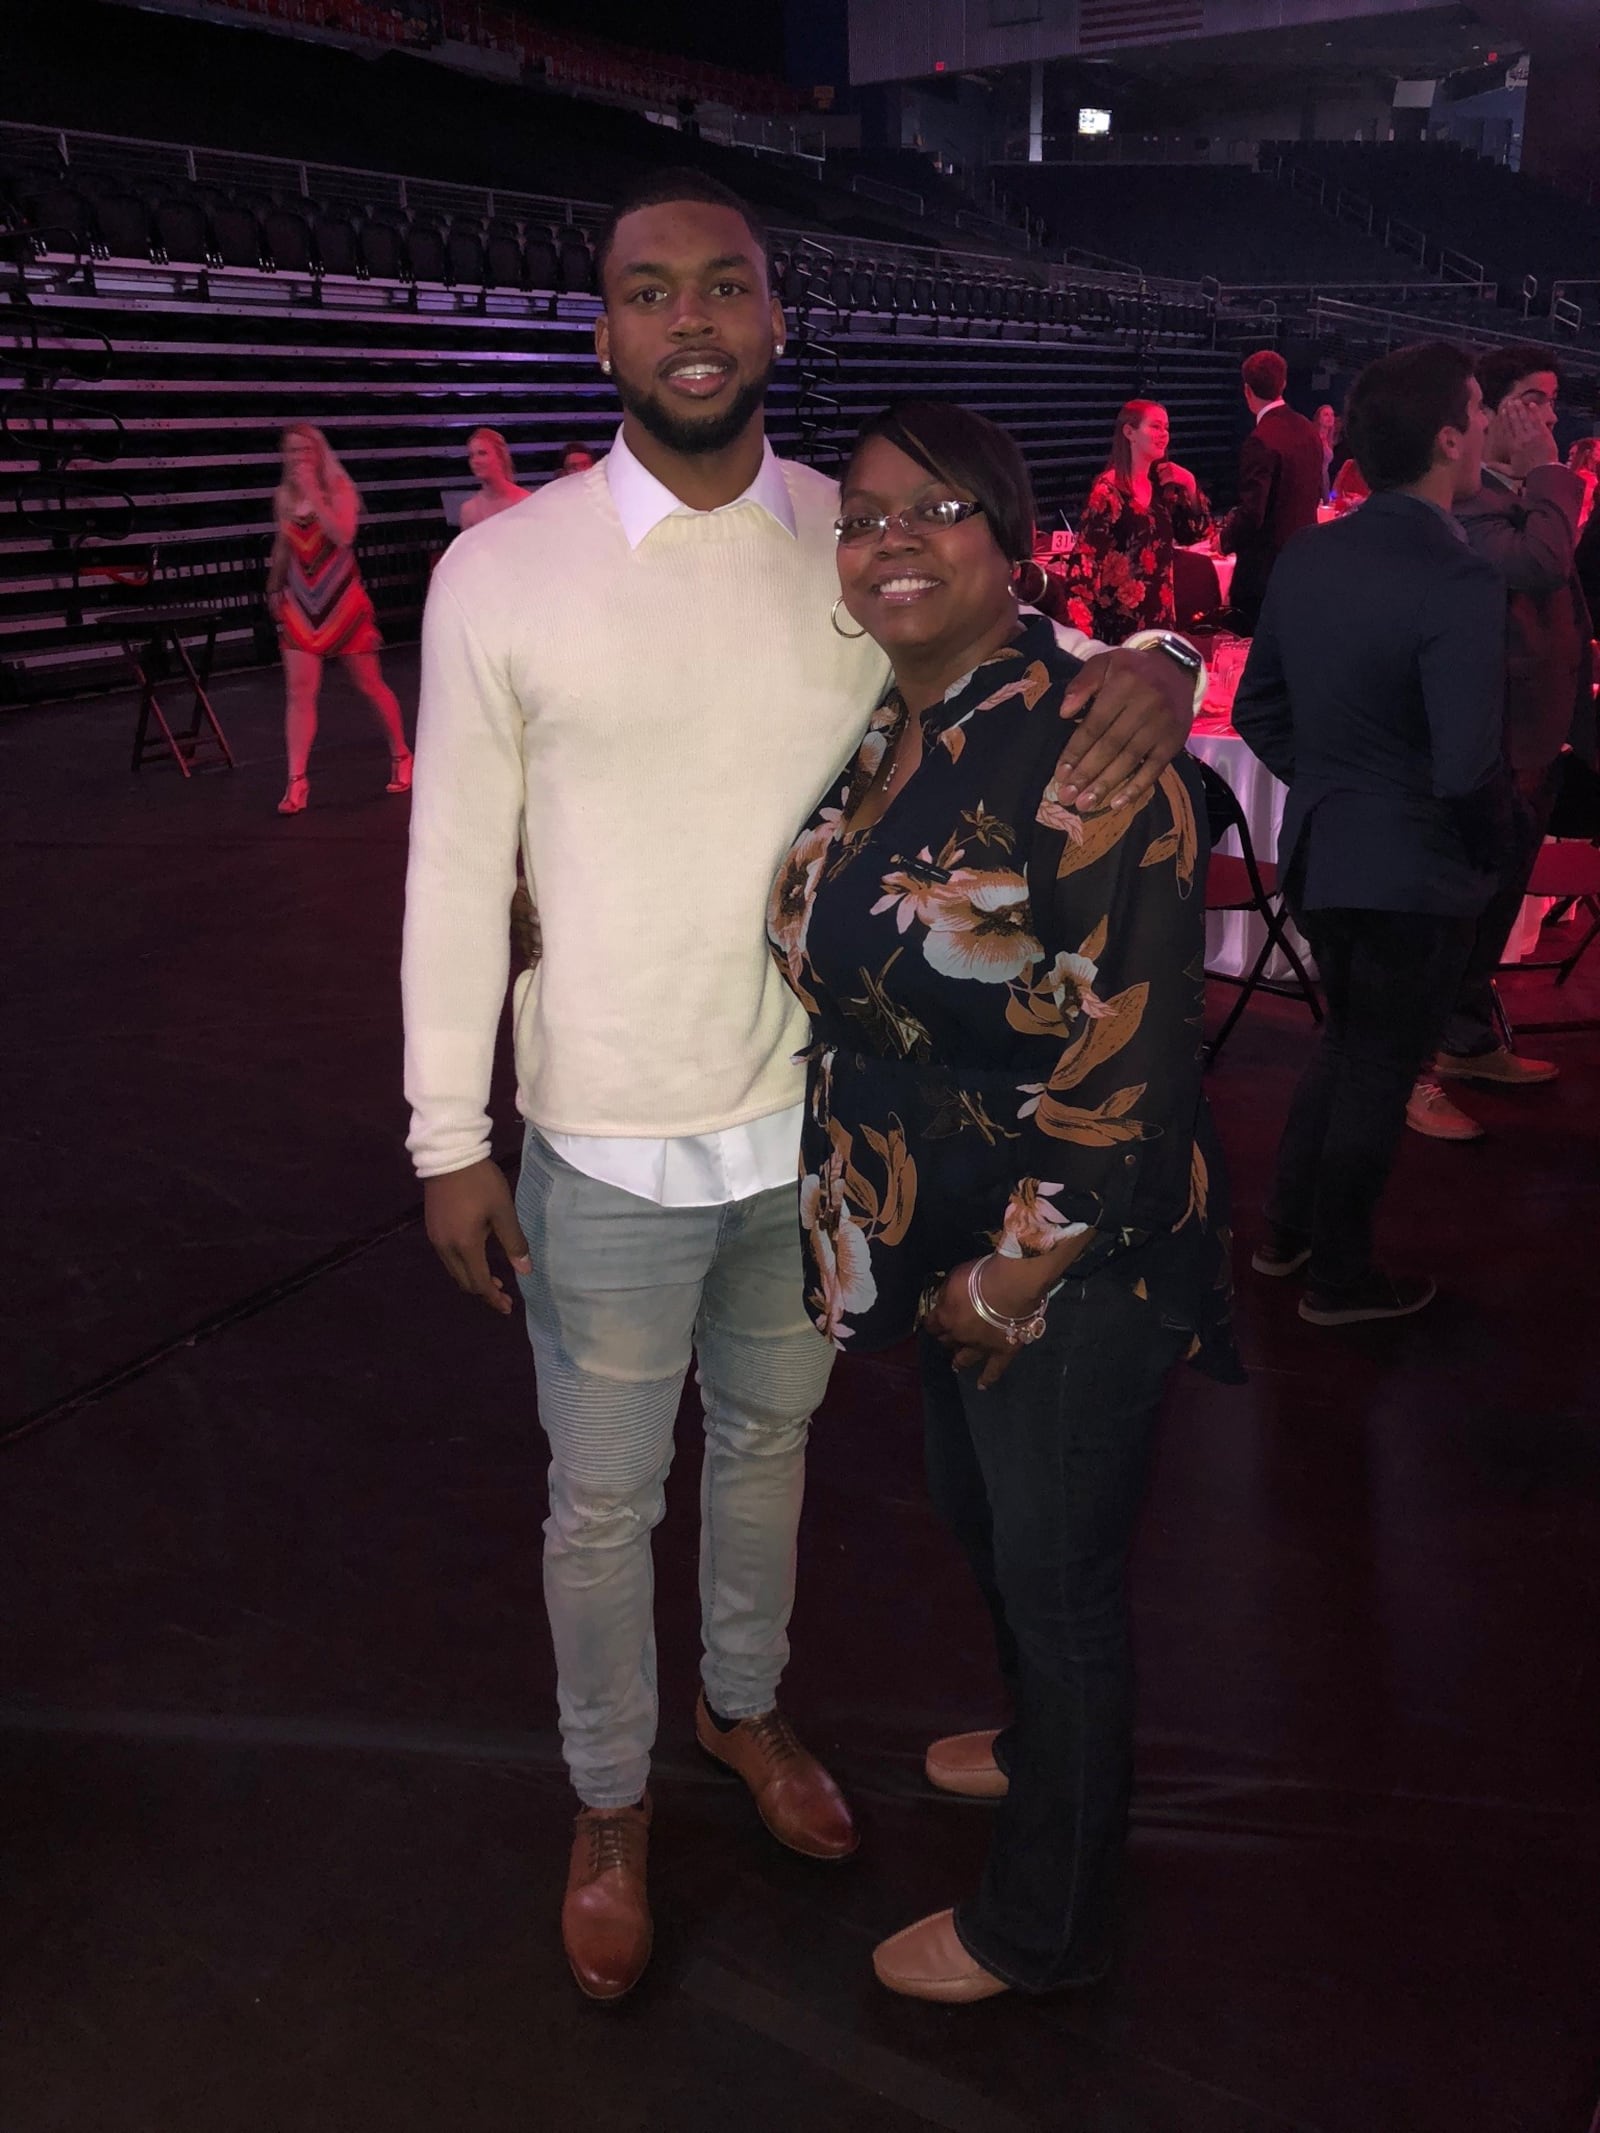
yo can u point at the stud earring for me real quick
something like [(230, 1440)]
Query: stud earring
[(605, 366), (780, 348)]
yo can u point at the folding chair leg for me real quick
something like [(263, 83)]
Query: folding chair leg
[(1592, 906), (1278, 936), (1248, 987), (1502, 1021)]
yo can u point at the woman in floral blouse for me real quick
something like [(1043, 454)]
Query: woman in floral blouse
[(1006, 1137), (1119, 576)]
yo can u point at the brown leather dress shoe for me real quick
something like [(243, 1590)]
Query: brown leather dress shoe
[(605, 1920), (794, 1795), (964, 1764), (928, 1962)]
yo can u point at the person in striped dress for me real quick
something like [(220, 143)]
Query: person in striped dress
[(322, 609)]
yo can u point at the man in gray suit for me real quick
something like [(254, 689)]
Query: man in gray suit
[(1523, 521), (1375, 690)]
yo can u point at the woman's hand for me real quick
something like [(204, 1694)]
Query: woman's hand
[(1169, 470), (1011, 1287)]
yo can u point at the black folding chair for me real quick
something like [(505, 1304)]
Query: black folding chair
[(1246, 884)]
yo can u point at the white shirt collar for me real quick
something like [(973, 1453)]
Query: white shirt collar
[(1271, 404), (643, 502)]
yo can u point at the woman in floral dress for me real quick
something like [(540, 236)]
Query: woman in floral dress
[(1006, 1139), (1119, 576)]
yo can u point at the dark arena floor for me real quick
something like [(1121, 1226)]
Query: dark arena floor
[(282, 1816)]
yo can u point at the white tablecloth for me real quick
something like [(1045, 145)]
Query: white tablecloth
[(1234, 938), (1222, 563)]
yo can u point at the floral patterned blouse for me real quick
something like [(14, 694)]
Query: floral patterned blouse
[(1119, 575), (1005, 1000)]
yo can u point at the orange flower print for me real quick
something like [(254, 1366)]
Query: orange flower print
[(789, 907), (910, 896), (1070, 982), (1032, 1225), (981, 928), (839, 1252)]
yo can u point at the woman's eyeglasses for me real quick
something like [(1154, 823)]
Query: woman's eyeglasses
[(935, 517)]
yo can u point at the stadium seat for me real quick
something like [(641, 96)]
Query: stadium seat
[(63, 217), (182, 238), (124, 224), (426, 251), (382, 250), (502, 256), (287, 238), (465, 259), (577, 261), (541, 262), (337, 250), (236, 235)]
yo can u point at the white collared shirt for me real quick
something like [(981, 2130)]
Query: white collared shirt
[(702, 1169), (1271, 404)]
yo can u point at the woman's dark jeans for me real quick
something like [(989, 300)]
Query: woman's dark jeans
[(1041, 1478)]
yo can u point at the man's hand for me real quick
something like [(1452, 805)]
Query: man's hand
[(1526, 440), (1141, 707), (460, 1210)]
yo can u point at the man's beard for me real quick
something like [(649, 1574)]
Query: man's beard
[(687, 434)]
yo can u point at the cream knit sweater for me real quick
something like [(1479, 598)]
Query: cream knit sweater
[(654, 725)]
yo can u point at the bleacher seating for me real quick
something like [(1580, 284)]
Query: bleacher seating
[(1235, 224), (1515, 225), (399, 377)]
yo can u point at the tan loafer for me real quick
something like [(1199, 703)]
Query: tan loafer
[(1430, 1112), (1501, 1069), (794, 1795), (964, 1764), (928, 1962), (605, 1920)]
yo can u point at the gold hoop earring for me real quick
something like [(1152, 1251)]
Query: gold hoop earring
[(833, 617)]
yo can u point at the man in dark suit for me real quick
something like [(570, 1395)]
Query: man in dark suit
[(1280, 484), (1523, 521), (1375, 689)]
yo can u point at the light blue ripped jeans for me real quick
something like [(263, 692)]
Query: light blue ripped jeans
[(621, 1293)]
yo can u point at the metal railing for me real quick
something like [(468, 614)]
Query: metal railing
[(140, 162), (1329, 314), (1346, 205)]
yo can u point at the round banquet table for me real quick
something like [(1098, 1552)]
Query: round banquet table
[(1222, 564)]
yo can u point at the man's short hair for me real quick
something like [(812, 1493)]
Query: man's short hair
[(1500, 368), (1398, 406), (664, 188), (1266, 373)]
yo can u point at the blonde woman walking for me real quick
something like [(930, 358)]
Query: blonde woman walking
[(321, 607)]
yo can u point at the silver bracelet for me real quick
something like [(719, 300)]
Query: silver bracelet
[(1018, 1331)]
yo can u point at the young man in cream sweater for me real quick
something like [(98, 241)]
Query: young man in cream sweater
[(633, 677)]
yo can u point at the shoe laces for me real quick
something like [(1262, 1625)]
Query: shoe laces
[(1430, 1094), (774, 1735), (613, 1841)]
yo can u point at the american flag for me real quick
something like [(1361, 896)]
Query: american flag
[(1103, 24)]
